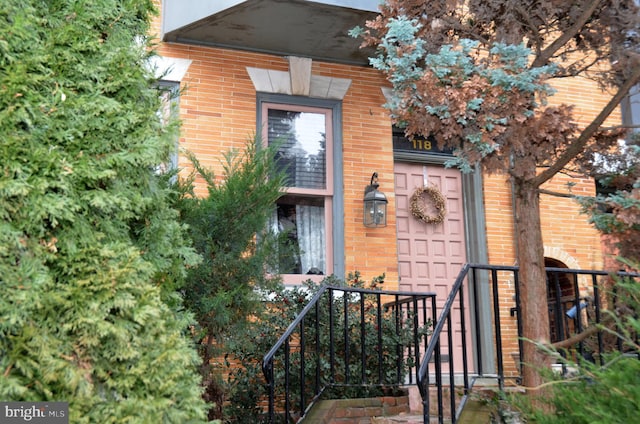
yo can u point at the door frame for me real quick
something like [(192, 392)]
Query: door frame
[(475, 249)]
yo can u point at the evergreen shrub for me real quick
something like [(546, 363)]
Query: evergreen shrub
[(229, 229), (91, 248)]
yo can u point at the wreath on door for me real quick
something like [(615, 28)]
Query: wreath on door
[(420, 201)]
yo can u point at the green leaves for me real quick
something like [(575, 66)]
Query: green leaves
[(91, 249), (224, 226), (228, 230), (609, 393), (249, 346)]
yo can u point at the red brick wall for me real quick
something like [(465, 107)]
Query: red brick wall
[(218, 109)]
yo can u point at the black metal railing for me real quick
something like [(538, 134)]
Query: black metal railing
[(351, 338), (448, 372), (348, 341)]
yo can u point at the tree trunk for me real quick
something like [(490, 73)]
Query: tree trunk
[(532, 278)]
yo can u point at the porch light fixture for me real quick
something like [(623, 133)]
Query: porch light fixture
[(375, 205)]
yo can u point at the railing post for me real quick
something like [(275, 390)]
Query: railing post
[(496, 318), (596, 300), (363, 350), (557, 311), (463, 329), (302, 366), (398, 313), (270, 380), (416, 341), (332, 346), (316, 385), (452, 388), (425, 320), (346, 339), (577, 304), (438, 370), (379, 325), (476, 319), (287, 388)]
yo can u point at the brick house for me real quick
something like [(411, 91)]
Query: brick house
[(279, 68)]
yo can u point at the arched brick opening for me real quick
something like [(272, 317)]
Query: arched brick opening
[(561, 296)]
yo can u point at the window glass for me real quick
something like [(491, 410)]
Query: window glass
[(303, 215), (303, 222), (168, 93), (302, 152)]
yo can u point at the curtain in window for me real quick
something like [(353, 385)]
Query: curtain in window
[(308, 254), (311, 238)]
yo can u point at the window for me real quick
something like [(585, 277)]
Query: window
[(169, 100), (306, 140)]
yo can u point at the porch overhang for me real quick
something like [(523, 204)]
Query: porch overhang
[(316, 29)]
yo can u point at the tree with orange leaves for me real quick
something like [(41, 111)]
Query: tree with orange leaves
[(476, 75)]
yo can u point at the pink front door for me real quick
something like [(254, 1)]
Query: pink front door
[(430, 255)]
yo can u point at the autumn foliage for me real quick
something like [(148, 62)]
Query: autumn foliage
[(476, 75)]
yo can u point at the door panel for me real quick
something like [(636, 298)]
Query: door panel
[(430, 256), (434, 252)]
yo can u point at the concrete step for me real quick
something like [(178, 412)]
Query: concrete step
[(406, 409), (476, 412), (398, 419), (404, 419)]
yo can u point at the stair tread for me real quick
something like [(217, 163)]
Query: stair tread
[(402, 418)]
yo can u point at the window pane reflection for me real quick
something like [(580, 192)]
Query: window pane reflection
[(302, 151), (302, 220)]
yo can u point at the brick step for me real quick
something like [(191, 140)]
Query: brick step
[(358, 411), (398, 410)]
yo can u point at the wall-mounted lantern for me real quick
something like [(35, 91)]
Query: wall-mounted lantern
[(375, 205)]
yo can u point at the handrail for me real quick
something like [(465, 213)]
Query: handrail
[(453, 385), (434, 343), (291, 328), (319, 294), (405, 319), (433, 351), (437, 329)]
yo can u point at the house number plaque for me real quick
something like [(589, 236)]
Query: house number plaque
[(417, 145)]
